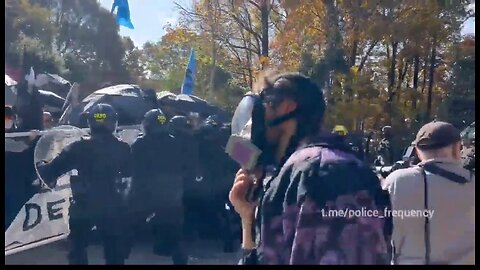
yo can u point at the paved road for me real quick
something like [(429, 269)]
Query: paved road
[(202, 252)]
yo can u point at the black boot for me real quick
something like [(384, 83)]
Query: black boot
[(78, 257), (179, 256)]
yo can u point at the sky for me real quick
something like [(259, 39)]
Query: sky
[(149, 18)]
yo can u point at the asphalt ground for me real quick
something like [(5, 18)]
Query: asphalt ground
[(202, 252)]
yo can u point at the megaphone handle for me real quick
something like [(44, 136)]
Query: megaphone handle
[(254, 189)]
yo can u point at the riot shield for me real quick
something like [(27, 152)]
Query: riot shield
[(52, 142)]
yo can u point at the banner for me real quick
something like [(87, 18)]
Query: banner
[(123, 13), (43, 217)]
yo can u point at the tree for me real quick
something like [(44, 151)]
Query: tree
[(29, 33), (394, 50), (134, 61), (77, 39), (459, 108), (240, 26)]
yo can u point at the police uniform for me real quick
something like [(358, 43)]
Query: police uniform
[(102, 162), (219, 170), (157, 185), (182, 131)]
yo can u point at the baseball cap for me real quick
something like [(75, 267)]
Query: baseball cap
[(436, 135)]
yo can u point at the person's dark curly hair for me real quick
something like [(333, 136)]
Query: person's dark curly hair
[(308, 96)]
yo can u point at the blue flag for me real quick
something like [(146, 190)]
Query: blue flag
[(123, 13), (189, 81)]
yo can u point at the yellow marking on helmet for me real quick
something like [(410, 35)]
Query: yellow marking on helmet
[(100, 117), (162, 119), (342, 130)]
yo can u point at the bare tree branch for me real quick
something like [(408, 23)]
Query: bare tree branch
[(254, 4), (365, 57)]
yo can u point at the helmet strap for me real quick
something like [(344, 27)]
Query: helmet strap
[(279, 120)]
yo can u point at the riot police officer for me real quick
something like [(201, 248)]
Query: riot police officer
[(340, 134), (340, 130), (103, 165), (157, 185), (179, 125), (218, 170), (182, 130)]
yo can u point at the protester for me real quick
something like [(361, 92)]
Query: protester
[(18, 154), (304, 176), (434, 202), (18, 144), (103, 165), (48, 120), (9, 119)]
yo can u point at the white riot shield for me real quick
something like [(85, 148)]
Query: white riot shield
[(44, 218), (53, 142)]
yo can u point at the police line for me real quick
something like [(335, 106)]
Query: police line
[(44, 218)]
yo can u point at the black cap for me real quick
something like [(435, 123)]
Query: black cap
[(436, 135)]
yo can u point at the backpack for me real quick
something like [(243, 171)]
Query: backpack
[(324, 207)]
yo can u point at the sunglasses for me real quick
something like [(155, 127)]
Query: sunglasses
[(272, 100)]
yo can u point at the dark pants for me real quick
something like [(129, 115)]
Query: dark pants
[(111, 236), (167, 228)]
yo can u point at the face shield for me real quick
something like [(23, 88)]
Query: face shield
[(249, 120), (242, 118), (248, 144)]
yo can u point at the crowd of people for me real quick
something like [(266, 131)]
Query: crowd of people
[(307, 180), (160, 178)]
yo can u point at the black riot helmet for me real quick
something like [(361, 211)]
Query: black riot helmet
[(154, 121), (102, 118), (180, 124), (208, 129)]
